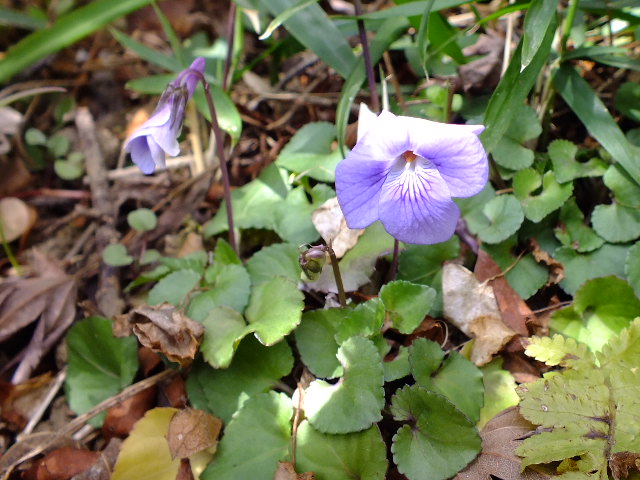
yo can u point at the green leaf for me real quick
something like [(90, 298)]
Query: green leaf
[(14, 18), (66, 30), (280, 259), (632, 267), (616, 223), (316, 342), (293, 216), (174, 288), (627, 100), (253, 204), (33, 136), (552, 197), (583, 100), (439, 441), (275, 309), (407, 303), (572, 231), (99, 365), (254, 369), (459, 380), (563, 156), (67, 170), (224, 329), (58, 145), (142, 219), (536, 22), (602, 307), (255, 440), (276, 22), (313, 29), (226, 111), (513, 90), (231, 288), (558, 350), (499, 390), (366, 319), (580, 267), (149, 54), (360, 455), (625, 190), (116, 255), (509, 152), (223, 255), (502, 217), (354, 403)]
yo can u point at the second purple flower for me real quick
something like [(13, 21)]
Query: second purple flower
[(404, 172)]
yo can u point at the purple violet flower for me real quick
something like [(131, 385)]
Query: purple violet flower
[(403, 171), (158, 135)]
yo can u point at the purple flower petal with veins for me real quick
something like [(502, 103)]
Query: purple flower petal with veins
[(158, 136), (404, 171)]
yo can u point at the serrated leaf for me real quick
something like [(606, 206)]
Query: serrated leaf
[(586, 413), (142, 219), (99, 365), (254, 440), (501, 217), (315, 338), (439, 441), (563, 157), (365, 319), (275, 309), (572, 231), (145, 452), (359, 455), (558, 350), (602, 307), (232, 287), (116, 255), (509, 152), (174, 287), (399, 367), (456, 378), (625, 190), (280, 259), (355, 402), (224, 329), (407, 303), (195, 261), (423, 264), (293, 216), (552, 197), (580, 267), (254, 369), (616, 223)]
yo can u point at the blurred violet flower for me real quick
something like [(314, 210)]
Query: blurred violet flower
[(159, 134), (403, 171)]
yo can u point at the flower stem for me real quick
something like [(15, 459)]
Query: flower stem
[(375, 102), (393, 270), (223, 165), (338, 277)]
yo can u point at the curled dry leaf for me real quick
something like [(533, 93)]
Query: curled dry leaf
[(17, 402), (122, 417), (16, 218), (330, 223), (286, 471), (556, 269), (167, 330), (49, 297), (192, 431), (624, 463), (500, 437), (62, 464), (471, 306)]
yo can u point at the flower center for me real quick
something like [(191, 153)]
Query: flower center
[(409, 156)]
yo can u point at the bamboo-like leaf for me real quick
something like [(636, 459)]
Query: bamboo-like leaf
[(536, 22)]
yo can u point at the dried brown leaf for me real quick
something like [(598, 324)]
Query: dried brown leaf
[(286, 471), (500, 437), (167, 330), (19, 401), (471, 306), (192, 431), (556, 269), (623, 463), (330, 223), (514, 310), (62, 464), (121, 418), (16, 218)]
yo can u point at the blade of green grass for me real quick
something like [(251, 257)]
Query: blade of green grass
[(584, 102), (67, 30), (513, 90), (536, 22), (313, 29), (280, 19), (146, 53), (14, 18)]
